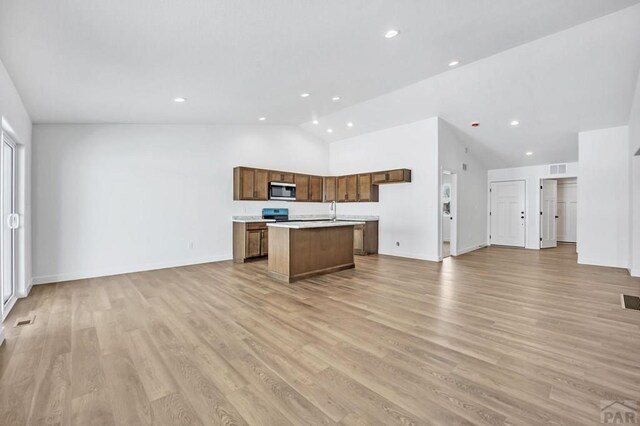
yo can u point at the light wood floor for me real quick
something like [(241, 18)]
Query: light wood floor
[(498, 336)]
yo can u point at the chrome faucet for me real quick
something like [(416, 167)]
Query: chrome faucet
[(334, 212)]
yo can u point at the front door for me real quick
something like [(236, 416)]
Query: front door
[(508, 213)]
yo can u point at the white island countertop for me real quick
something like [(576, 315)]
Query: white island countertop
[(306, 217), (313, 224)]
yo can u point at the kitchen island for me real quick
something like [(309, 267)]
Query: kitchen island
[(299, 250)]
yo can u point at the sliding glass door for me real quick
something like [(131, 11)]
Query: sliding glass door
[(10, 222)]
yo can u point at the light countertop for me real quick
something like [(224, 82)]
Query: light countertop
[(357, 218), (312, 224)]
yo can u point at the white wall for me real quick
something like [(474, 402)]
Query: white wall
[(634, 146), (604, 221), (409, 212), (531, 175), (117, 198), (15, 120), (471, 187)]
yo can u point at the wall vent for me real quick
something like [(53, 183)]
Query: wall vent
[(558, 169)]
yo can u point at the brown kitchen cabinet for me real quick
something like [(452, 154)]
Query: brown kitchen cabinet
[(341, 189), (250, 184), (284, 177), (302, 187), (250, 241), (352, 188), (391, 176), (316, 192), (367, 191), (365, 238), (330, 188), (253, 184)]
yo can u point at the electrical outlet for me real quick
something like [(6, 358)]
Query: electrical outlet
[(398, 243)]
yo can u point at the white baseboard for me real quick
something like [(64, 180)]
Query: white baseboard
[(28, 290), (634, 272), (470, 249), (611, 263), (409, 256), (71, 276), (1, 334)]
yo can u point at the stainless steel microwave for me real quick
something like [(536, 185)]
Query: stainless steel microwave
[(282, 191)]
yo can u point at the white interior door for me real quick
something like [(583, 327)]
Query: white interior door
[(549, 214), (567, 212), (9, 223), (508, 213)]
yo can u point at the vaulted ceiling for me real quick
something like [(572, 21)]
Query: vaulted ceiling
[(96, 61)]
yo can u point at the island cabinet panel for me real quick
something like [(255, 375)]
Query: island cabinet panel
[(315, 189), (250, 241), (250, 184), (392, 176), (367, 191), (330, 188), (295, 254), (284, 177), (302, 187)]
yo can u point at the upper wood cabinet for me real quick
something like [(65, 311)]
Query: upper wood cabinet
[(330, 188), (308, 188), (341, 188), (391, 176), (285, 177), (302, 187), (367, 191), (250, 184), (352, 188), (315, 189), (253, 184)]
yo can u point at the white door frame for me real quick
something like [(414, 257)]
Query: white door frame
[(4, 216), (453, 209), (489, 216), (541, 241)]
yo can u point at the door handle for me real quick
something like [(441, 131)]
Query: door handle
[(13, 221)]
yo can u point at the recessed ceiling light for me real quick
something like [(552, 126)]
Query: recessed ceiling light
[(316, 122), (453, 63), (475, 124), (335, 98), (262, 118), (529, 153), (349, 124), (179, 100), (329, 130), (304, 95), (391, 33), (515, 123)]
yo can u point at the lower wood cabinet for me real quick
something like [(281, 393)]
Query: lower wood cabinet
[(365, 238), (250, 241)]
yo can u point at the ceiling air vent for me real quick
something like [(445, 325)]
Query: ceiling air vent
[(558, 169)]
